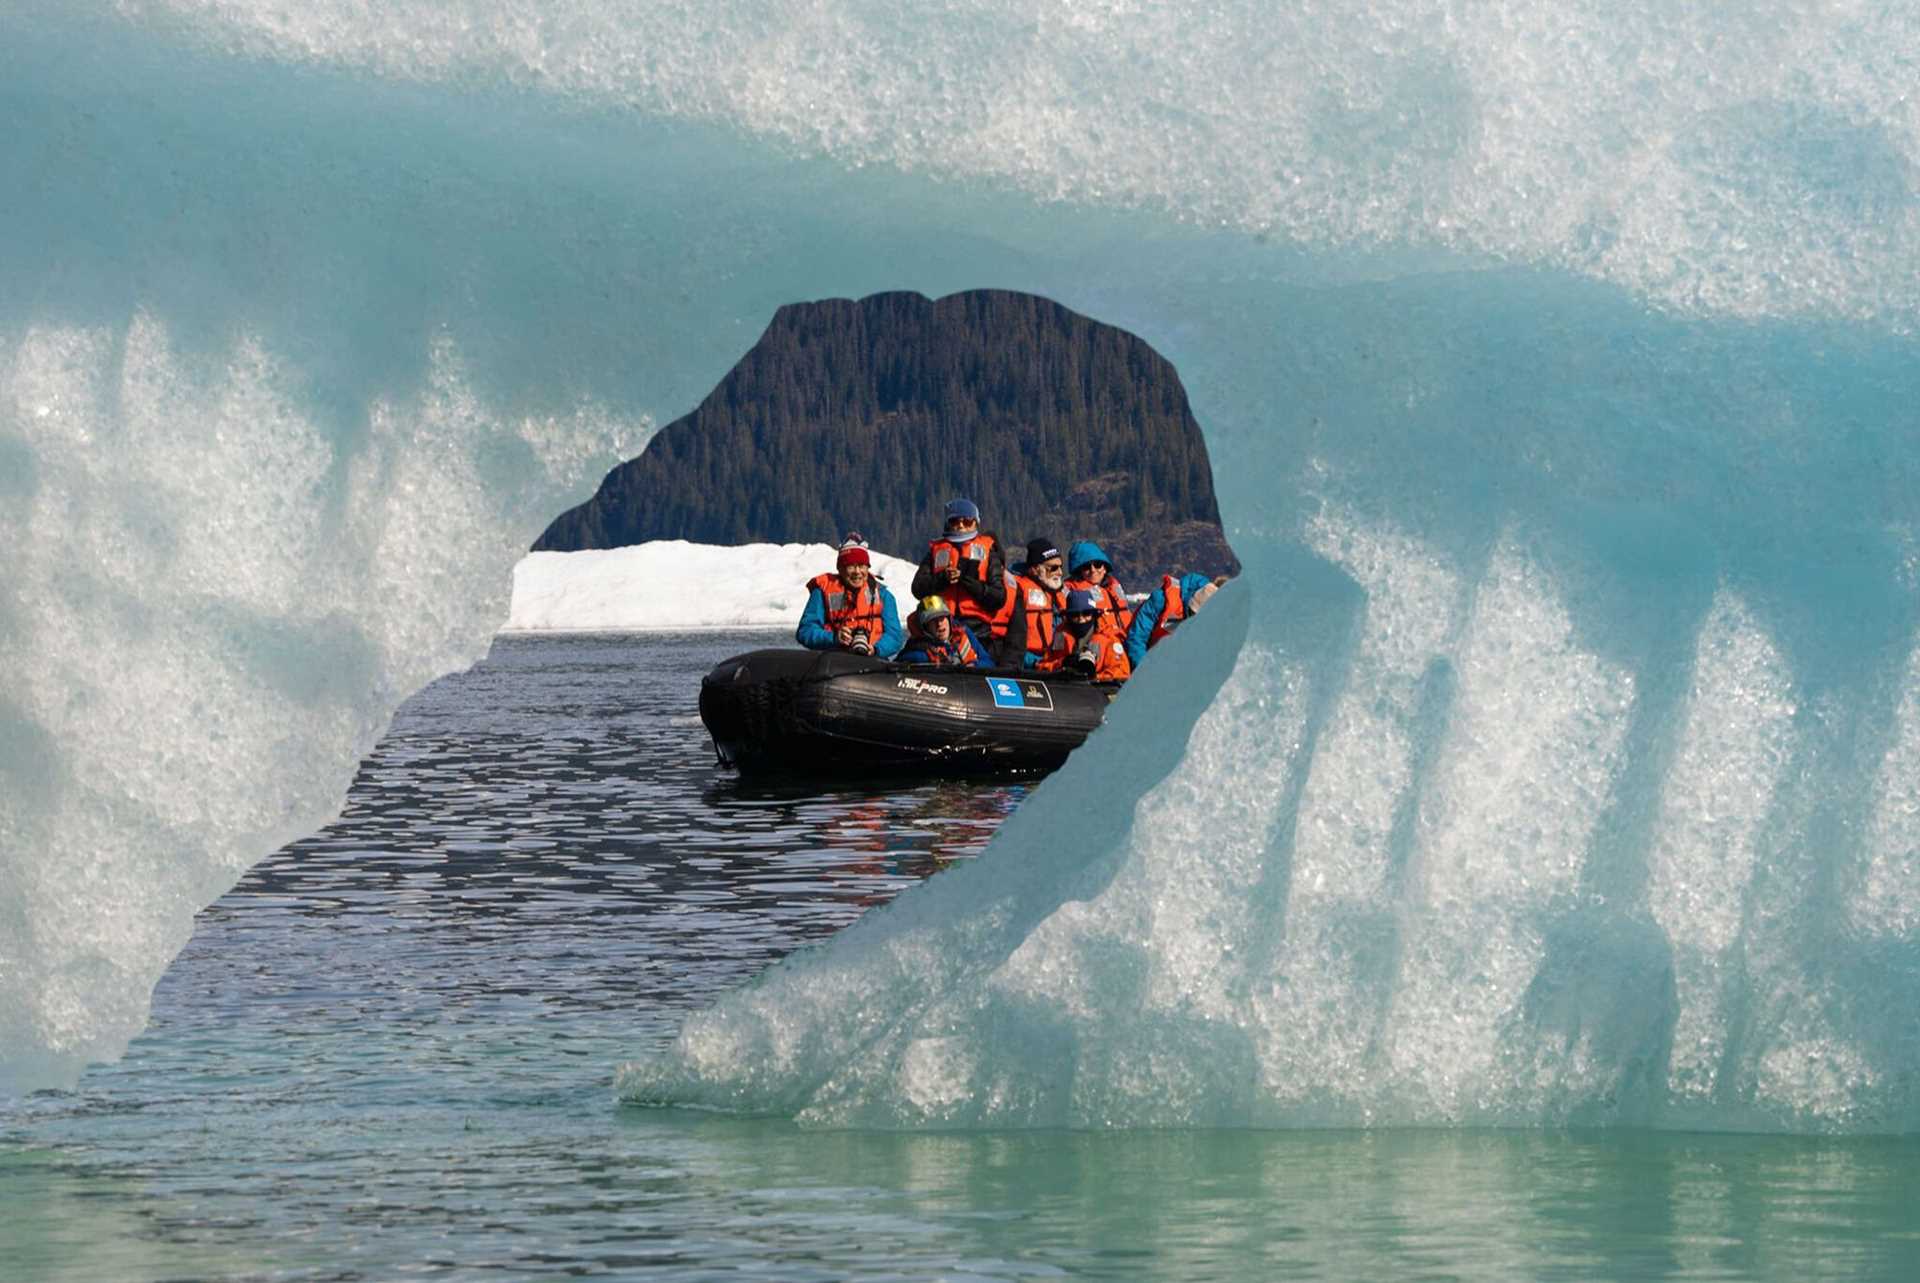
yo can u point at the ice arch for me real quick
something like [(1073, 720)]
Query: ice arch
[(1563, 771)]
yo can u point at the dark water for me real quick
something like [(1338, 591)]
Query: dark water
[(388, 1054), (408, 1023)]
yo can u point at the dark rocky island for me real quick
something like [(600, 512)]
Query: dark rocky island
[(869, 415)]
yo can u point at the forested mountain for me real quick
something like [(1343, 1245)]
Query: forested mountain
[(870, 415)]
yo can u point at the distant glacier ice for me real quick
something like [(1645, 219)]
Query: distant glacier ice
[(671, 583)]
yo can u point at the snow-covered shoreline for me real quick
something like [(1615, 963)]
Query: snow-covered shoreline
[(677, 586)]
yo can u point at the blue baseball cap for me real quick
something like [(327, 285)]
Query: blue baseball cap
[(963, 508), (1080, 602)]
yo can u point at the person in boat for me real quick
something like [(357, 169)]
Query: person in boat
[(1079, 646), (1090, 570), (1039, 593), (1176, 599), (967, 567), (940, 639), (850, 609)]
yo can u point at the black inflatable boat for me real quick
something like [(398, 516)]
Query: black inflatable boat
[(828, 710)]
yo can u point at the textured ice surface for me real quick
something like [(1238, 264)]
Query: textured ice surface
[(1552, 759), (212, 604), (1750, 159)]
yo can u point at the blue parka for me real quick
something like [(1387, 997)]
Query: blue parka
[(1081, 553), (1147, 614), (814, 634)]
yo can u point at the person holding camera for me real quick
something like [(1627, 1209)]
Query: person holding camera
[(1081, 646), (966, 566), (851, 610)]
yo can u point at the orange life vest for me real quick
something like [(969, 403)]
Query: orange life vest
[(1003, 618), (861, 611), (1110, 655), (944, 554), (1054, 657), (1170, 614), (1043, 611), (1115, 615), (955, 652)]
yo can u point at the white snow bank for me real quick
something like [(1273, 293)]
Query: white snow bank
[(673, 584)]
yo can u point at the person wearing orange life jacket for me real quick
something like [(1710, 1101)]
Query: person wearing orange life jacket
[(850, 610), (966, 566), (1039, 593), (1177, 599), (1002, 621), (1079, 646), (1089, 568), (941, 639)]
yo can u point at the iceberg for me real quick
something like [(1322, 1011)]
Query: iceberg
[(670, 584), (1551, 761)]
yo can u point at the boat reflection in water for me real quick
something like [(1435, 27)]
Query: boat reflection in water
[(865, 840)]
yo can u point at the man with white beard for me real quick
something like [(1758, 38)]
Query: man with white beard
[(1039, 595)]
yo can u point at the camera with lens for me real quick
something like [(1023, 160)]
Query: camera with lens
[(860, 645), (1086, 658)]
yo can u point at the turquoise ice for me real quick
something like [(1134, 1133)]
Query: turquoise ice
[(1554, 758)]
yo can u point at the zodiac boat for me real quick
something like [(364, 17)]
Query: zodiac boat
[(803, 710)]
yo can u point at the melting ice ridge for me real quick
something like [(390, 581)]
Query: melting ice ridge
[(1553, 760)]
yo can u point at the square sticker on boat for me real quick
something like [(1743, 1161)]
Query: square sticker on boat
[(1011, 692)]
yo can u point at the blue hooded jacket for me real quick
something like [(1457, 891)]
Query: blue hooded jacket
[(814, 634), (1147, 614), (1081, 553)]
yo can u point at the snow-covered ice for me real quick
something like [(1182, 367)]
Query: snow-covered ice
[(674, 584)]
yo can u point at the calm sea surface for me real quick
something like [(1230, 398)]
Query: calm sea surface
[(389, 1052)]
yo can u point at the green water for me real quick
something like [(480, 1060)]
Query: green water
[(691, 1198)]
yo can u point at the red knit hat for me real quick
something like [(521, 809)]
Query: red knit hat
[(853, 557)]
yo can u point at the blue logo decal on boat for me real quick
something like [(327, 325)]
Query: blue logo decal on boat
[(1006, 693)]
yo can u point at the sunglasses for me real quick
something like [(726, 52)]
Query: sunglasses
[(1050, 565)]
